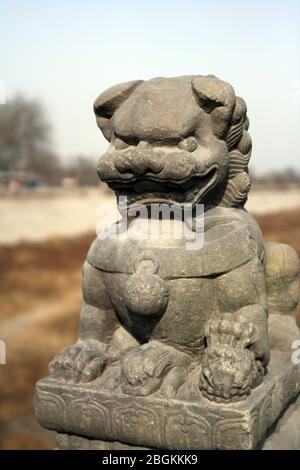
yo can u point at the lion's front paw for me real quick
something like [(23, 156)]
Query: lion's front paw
[(227, 373), (82, 362), (229, 369)]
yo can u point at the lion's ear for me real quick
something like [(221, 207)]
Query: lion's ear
[(212, 93), (109, 101)]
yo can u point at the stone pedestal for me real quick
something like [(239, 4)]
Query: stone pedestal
[(283, 435)]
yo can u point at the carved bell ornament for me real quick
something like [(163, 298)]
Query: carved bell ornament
[(146, 293)]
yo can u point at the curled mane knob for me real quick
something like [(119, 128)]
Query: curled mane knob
[(146, 294)]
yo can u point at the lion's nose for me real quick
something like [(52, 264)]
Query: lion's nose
[(139, 160)]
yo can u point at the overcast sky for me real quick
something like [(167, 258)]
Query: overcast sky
[(65, 52)]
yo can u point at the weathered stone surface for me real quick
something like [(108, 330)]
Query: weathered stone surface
[(174, 347), (69, 441), (285, 434), (168, 423)]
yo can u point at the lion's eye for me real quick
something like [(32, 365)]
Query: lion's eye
[(189, 144), (120, 144)]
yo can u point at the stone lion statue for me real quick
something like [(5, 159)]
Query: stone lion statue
[(172, 318)]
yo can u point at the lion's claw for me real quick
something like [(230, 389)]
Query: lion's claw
[(227, 374), (82, 362)]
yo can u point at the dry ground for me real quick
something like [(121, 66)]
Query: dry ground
[(40, 286), (40, 291), (34, 216)]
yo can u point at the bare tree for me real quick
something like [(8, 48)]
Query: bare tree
[(25, 143)]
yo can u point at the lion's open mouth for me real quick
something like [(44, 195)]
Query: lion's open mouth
[(152, 189)]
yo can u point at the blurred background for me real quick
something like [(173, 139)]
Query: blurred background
[(55, 58)]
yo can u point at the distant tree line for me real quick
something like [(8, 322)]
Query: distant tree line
[(25, 146), (284, 177)]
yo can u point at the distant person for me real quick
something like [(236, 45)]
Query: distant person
[(14, 186)]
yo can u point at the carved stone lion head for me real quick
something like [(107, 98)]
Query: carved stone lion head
[(175, 141)]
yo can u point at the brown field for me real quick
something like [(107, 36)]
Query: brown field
[(40, 291)]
